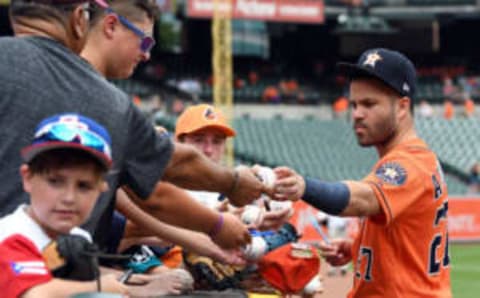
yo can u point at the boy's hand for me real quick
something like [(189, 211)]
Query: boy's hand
[(233, 233), (110, 284)]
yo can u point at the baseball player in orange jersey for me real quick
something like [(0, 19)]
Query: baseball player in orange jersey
[(402, 246)]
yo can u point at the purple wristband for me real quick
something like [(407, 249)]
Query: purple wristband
[(216, 228)]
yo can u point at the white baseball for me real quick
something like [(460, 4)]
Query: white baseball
[(281, 205), (256, 249), (314, 286), (267, 175), (252, 215)]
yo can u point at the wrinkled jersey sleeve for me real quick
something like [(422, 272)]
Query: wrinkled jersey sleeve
[(397, 183), (21, 265)]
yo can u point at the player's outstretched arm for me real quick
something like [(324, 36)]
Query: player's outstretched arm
[(347, 198)]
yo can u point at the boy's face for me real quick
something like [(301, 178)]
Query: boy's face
[(62, 198), (210, 141)]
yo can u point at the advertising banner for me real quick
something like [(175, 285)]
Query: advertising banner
[(464, 219), (267, 10)]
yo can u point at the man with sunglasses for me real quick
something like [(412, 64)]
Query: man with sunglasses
[(41, 74), (120, 36)]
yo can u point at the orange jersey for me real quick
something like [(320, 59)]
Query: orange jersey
[(404, 252)]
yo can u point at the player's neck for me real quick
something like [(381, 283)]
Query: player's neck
[(407, 132)]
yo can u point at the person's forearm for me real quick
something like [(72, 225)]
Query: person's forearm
[(363, 200), (171, 205), (190, 169), (347, 198), (60, 288), (193, 241)]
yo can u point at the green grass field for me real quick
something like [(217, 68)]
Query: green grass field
[(465, 272)]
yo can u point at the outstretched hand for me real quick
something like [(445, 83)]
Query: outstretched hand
[(246, 188), (289, 185), (233, 233)]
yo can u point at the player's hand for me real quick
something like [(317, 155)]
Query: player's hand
[(273, 220), (289, 185), (233, 234), (110, 284), (338, 252), (247, 188)]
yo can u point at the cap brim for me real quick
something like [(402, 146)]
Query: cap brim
[(353, 71), (30, 152), (229, 132)]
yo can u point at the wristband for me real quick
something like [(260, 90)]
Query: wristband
[(330, 197), (216, 228)]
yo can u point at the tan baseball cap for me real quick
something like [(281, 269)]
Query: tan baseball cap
[(201, 116)]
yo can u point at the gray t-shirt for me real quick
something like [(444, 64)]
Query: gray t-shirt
[(39, 77)]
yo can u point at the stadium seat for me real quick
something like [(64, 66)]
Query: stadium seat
[(328, 149)]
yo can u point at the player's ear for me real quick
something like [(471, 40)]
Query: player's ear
[(404, 106), (26, 175)]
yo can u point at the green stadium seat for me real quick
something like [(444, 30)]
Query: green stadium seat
[(328, 149)]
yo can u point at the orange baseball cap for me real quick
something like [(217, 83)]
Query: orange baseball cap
[(290, 267), (201, 116)]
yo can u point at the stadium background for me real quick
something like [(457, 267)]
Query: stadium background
[(296, 126)]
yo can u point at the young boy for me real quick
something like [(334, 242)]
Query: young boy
[(63, 175)]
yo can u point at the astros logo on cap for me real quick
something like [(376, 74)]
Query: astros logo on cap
[(372, 59), (210, 114)]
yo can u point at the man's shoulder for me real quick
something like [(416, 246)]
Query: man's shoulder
[(12, 48), (409, 149), (10, 40), (413, 159)]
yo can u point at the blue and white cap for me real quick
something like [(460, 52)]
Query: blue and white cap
[(71, 131), (391, 67)]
